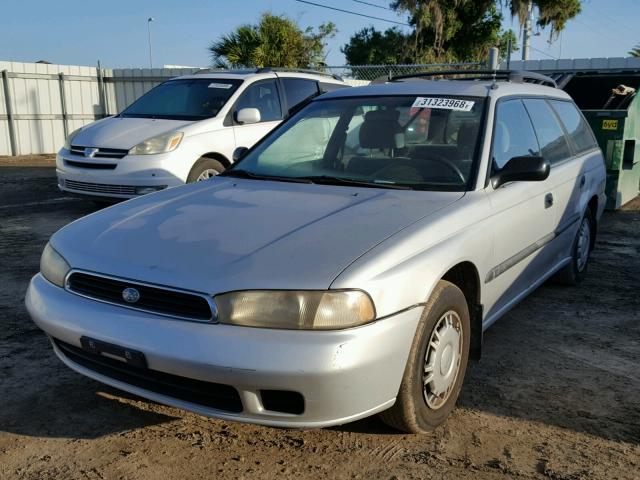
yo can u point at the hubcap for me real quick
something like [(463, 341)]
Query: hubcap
[(207, 174), (583, 245), (442, 360)]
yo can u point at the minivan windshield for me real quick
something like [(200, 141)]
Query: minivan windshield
[(185, 99), (408, 142)]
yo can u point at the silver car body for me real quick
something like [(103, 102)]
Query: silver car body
[(240, 234)]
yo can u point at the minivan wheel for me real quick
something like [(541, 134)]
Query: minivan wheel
[(576, 270), (204, 169), (436, 365)]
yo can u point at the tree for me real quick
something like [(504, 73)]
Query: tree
[(461, 31), (553, 13), (276, 41), (372, 47), (635, 51)]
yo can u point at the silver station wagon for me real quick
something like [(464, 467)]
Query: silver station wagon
[(346, 265)]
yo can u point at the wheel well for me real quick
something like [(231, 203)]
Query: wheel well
[(465, 276), (219, 157), (593, 208)]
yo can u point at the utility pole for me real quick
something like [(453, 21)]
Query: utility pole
[(526, 34), (149, 20)]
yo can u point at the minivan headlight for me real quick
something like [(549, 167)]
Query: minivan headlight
[(53, 266), (69, 139), (299, 310), (167, 142)]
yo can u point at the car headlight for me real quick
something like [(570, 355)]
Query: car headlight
[(53, 266), (167, 142), (69, 139), (300, 310)]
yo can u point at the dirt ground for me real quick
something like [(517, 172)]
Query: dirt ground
[(556, 394)]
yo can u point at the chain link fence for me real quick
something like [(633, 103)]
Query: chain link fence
[(368, 73)]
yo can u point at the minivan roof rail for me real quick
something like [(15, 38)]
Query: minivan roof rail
[(516, 76), (246, 71), (297, 70)]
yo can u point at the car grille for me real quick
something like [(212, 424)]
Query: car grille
[(213, 395), (165, 301), (95, 166), (100, 188), (101, 153)]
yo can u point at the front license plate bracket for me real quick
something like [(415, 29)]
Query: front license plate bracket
[(109, 350)]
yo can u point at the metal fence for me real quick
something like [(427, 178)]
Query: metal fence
[(40, 104), (368, 73)]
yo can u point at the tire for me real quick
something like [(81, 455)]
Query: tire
[(417, 409), (203, 167), (576, 270)]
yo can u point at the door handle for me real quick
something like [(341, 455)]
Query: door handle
[(582, 181), (548, 200)]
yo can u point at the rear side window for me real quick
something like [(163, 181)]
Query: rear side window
[(513, 134), (553, 142), (297, 90), (575, 125)]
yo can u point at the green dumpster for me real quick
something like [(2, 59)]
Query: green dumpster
[(612, 108)]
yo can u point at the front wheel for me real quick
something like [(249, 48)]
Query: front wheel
[(204, 169), (436, 365)]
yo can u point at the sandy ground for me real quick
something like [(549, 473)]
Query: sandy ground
[(556, 394)]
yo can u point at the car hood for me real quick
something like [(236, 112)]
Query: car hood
[(124, 133), (234, 234)]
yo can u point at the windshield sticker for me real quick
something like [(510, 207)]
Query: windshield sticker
[(444, 103), (226, 86)]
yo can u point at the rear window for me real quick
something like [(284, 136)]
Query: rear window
[(553, 142), (575, 124), (297, 90), (189, 99)]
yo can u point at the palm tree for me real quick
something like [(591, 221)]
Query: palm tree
[(238, 49), (635, 51)]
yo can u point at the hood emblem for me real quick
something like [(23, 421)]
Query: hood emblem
[(90, 152), (130, 295)]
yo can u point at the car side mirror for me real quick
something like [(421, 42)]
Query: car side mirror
[(522, 169), (248, 115), (239, 153)]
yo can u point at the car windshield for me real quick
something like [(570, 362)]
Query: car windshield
[(189, 99), (425, 143)]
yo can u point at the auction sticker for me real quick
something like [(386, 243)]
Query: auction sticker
[(443, 103), (226, 86)]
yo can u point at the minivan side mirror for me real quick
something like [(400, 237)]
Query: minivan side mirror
[(522, 169), (238, 153), (248, 115)]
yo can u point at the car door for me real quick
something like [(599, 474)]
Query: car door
[(265, 96), (572, 176), (522, 215)]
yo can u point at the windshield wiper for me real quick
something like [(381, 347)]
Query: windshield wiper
[(329, 180), (240, 173)]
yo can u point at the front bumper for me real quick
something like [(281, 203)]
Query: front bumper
[(125, 180), (343, 375)]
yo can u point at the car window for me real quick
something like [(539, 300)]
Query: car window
[(297, 90), (513, 134), (192, 99), (553, 142), (264, 97), (368, 139), (575, 124)]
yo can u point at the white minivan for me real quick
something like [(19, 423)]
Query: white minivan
[(182, 131)]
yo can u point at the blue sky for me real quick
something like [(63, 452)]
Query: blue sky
[(115, 31)]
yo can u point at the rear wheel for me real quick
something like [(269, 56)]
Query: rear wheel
[(436, 365), (576, 270), (204, 169)]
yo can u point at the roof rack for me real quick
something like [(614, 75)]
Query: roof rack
[(297, 70), (517, 76)]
